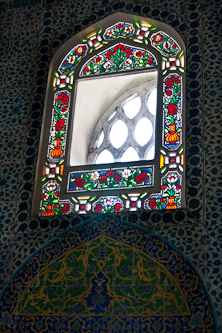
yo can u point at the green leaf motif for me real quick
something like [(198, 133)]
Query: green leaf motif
[(55, 201), (87, 184)]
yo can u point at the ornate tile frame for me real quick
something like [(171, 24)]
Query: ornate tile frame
[(169, 193)]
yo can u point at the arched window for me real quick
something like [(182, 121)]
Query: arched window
[(113, 127)]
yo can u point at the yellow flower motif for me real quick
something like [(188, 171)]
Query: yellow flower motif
[(127, 30), (79, 50), (158, 38), (109, 32)]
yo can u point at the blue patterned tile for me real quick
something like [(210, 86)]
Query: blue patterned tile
[(5, 263), (7, 215), (22, 250), (12, 144), (9, 181), (4, 5), (19, 74), (23, 44), (2, 70), (137, 243), (14, 108), (4, 46), (70, 18), (65, 11), (6, 19), (19, 3), (26, 18), (211, 20)]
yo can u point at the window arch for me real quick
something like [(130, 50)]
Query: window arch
[(113, 126)]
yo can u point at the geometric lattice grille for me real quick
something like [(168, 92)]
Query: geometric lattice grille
[(126, 132)]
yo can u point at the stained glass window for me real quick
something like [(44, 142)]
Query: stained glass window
[(113, 125)]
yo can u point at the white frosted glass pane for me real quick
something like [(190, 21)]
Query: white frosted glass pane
[(151, 102), (132, 107), (102, 92), (143, 131), (105, 157), (100, 141), (118, 134), (151, 154), (112, 115), (130, 155)]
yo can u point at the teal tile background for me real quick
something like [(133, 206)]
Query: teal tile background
[(30, 34)]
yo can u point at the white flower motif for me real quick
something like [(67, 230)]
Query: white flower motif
[(94, 40), (53, 133), (110, 201), (126, 173), (52, 170), (108, 64), (128, 62), (51, 186), (71, 59), (142, 32), (166, 45), (95, 175), (110, 32), (172, 178)]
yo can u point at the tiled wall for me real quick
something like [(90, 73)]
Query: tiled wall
[(30, 33)]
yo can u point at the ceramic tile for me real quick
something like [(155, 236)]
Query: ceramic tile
[(24, 44), (14, 108), (4, 5), (4, 46), (27, 18), (18, 3), (9, 181), (118, 277), (7, 215), (201, 245), (19, 74), (6, 19), (5, 263), (12, 144)]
